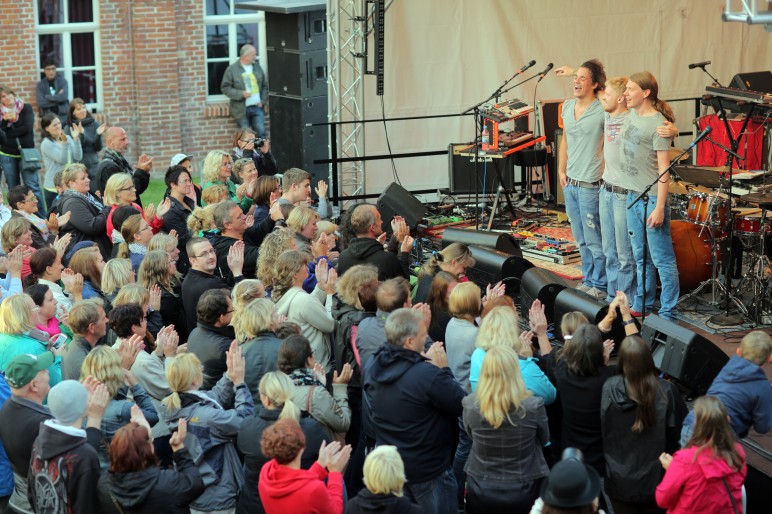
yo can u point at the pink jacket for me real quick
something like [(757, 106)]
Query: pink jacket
[(693, 485)]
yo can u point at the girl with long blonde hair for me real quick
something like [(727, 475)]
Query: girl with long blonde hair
[(159, 270), (508, 428)]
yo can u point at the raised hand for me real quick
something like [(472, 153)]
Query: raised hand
[(564, 71), (382, 238), (426, 311), (138, 417), (345, 375), (321, 189), (76, 130), (63, 219), (250, 220), (407, 244), (101, 129), (235, 258), (537, 319), (177, 440), (608, 347), (330, 279), (15, 259), (167, 342), (436, 354), (98, 400), (149, 211), (235, 363), (61, 243), (665, 459), (162, 209), (526, 337), (321, 246), (129, 350), (337, 461), (275, 195), (52, 223), (319, 373), (173, 232), (492, 292), (90, 383), (145, 163)]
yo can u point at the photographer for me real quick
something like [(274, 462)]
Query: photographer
[(247, 145)]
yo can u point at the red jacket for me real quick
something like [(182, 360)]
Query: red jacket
[(285, 490), (697, 485), (156, 225)]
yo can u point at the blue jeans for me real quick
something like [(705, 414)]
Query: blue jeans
[(620, 264), (10, 166), (255, 120), (660, 257), (436, 496), (582, 206), (459, 460)]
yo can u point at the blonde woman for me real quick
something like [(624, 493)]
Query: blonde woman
[(274, 244), (201, 220), (244, 292), (168, 243), (215, 418), (454, 259), (214, 194), (149, 300), (116, 274), (276, 391), (500, 327), (89, 263), (136, 235), (105, 364), (88, 216), (18, 317), (508, 428), (217, 171), (302, 220), (158, 270), (384, 477), (255, 327), (307, 310), (120, 191)]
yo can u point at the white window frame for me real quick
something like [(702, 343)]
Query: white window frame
[(233, 51), (66, 67)]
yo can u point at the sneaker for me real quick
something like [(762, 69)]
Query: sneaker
[(582, 287), (597, 293)]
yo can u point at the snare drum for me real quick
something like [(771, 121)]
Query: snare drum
[(750, 226), (700, 206)]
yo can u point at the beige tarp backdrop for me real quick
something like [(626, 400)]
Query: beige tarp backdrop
[(444, 56)]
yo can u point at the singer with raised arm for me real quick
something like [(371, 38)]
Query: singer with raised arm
[(644, 156), (580, 167)]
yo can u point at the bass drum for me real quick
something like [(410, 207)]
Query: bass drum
[(694, 254)]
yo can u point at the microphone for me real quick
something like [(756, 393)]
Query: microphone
[(701, 136), (698, 64), (521, 70), (546, 70)]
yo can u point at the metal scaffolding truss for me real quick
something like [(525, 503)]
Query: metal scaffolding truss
[(750, 12), (345, 89)]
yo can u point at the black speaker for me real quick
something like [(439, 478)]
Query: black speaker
[(492, 266), (298, 74), (462, 173), (688, 358), (570, 300), (541, 284), (397, 201), (293, 143), (495, 240), (760, 81)]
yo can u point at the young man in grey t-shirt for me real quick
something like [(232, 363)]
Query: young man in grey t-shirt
[(644, 156)]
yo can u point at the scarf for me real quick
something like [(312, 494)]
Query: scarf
[(18, 105), (118, 159), (88, 197), (39, 223), (304, 376), (117, 237), (137, 248)]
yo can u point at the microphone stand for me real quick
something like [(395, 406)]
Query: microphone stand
[(708, 74), (497, 94)]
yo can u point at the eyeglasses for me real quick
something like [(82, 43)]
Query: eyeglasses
[(204, 254), (30, 200), (226, 165), (132, 188), (146, 227), (228, 312)]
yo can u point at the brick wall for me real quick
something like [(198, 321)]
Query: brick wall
[(18, 68)]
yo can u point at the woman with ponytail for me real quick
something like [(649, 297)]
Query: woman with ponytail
[(214, 418), (276, 390), (255, 327), (644, 155), (455, 259), (136, 235)]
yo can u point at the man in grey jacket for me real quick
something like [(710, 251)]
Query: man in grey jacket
[(245, 84), (53, 93)]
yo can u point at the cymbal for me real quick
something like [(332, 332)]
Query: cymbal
[(677, 188), (758, 198), (673, 153)]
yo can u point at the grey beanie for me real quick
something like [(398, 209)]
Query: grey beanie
[(67, 401)]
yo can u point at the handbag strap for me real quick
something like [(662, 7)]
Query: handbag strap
[(729, 492), (310, 400)]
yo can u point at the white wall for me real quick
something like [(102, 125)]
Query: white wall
[(444, 56)]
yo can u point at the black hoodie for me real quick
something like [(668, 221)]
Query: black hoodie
[(365, 250), (369, 503), (153, 489), (64, 470), (413, 405)]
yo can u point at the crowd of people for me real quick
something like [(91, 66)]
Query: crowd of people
[(230, 349)]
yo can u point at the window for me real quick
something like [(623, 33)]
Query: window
[(227, 30), (68, 34)]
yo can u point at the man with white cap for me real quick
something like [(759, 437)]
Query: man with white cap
[(64, 467), (20, 418)]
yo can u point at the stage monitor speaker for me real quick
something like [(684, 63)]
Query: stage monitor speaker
[(397, 201), (570, 300), (760, 81), (492, 266), (688, 358), (541, 284), (496, 240), (462, 172)]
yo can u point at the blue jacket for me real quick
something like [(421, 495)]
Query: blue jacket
[(413, 405), (745, 390), (534, 378), (6, 475)]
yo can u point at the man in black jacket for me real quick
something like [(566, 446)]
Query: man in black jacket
[(213, 334), (20, 418), (367, 245), (412, 402), (205, 275), (113, 161)]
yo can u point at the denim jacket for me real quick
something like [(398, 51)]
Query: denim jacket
[(118, 414)]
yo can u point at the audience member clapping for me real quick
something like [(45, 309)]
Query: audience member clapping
[(88, 262), (255, 325), (158, 270)]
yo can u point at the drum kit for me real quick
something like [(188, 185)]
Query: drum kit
[(705, 225)]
